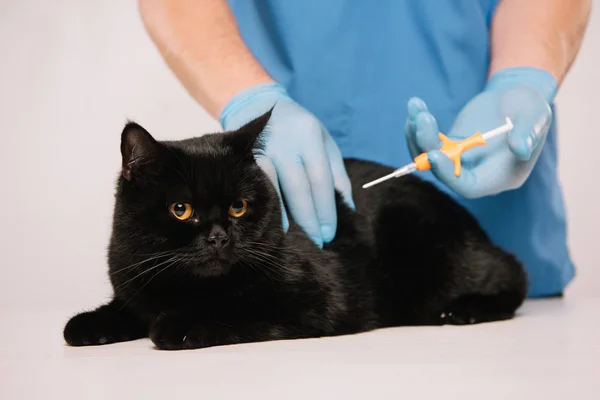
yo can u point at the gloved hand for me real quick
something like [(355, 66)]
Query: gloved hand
[(524, 95), (300, 158)]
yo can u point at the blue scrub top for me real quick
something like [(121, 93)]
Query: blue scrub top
[(355, 64)]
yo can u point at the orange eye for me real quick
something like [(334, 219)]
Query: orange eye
[(181, 211), (238, 208)]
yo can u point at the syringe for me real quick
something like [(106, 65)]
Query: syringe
[(450, 148)]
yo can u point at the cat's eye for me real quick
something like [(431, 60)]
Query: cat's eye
[(181, 211), (238, 208)]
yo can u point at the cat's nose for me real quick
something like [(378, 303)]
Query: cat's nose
[(217, 238), (218, 241)]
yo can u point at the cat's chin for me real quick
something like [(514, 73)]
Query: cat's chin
[(212, 268)]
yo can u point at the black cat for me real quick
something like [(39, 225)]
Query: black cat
[(198, 257)]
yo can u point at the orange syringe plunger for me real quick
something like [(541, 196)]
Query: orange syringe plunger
[(453, 150)]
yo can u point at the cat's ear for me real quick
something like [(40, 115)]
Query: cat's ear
[(138, 148), (247, 140)]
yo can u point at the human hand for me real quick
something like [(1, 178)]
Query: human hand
[(522, 94), (300, 157)]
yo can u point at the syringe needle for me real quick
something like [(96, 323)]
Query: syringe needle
[(382, 179), (407, 169)]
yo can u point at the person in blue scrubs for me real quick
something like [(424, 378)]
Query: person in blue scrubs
[(377, 80)]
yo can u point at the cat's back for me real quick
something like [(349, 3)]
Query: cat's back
[(408, 192)]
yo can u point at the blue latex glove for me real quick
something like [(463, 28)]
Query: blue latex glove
[(524, 95), (301, 159)]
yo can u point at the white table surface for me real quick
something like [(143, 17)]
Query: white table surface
[(551, 351)]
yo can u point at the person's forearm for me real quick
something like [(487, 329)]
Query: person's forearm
[(544, 34), (201, 43)]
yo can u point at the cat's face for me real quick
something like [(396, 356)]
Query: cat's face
[(203, 199)]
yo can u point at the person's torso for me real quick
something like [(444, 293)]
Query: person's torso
[(355, 64)]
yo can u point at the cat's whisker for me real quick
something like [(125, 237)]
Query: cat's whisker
[(268, 272), (273, 265), (263, 246), (129, 267), (188, 260), (141, 254), (280, 267), (265, 255), (263, 270), (263, 263), (149, 280), (122, 285), (277, 248), (245, 262)]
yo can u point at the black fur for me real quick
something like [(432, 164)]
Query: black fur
[(409, 255)]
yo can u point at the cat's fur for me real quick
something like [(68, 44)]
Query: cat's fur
[(408, 255)]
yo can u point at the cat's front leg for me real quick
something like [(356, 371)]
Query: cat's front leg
[(110, 323), (185, 332)]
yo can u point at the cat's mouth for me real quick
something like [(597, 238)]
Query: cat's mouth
[(214, 266)]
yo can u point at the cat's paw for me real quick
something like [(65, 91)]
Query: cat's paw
[(181, 333), (472, 311), (96, 328), (169, 333), (459, 317)]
